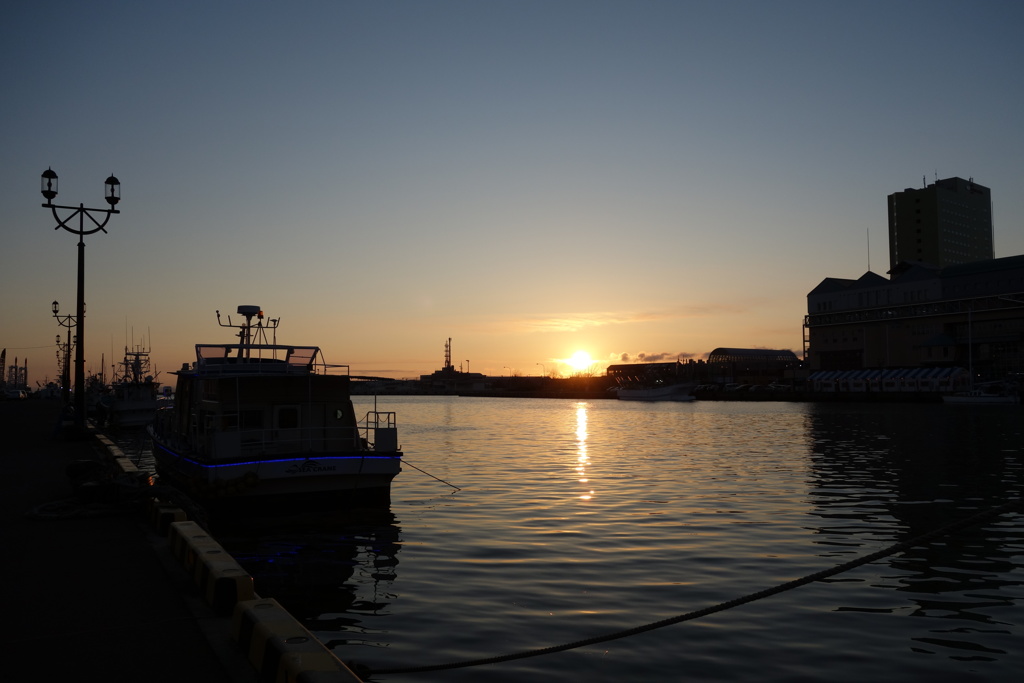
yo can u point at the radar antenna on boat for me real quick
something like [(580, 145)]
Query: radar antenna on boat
[(246, 329)]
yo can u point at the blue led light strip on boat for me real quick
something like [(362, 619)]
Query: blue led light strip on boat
[(199, 463)]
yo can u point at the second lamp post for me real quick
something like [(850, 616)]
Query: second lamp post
[(67, 321)]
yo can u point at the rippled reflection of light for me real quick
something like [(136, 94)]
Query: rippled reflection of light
[(582, 459)]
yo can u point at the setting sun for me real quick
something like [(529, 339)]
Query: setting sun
[(580, 360)]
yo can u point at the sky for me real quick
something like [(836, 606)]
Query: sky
[(637, 180)]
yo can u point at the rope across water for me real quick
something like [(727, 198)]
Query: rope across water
[(720, 607)]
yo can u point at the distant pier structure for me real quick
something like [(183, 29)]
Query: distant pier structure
[(450, 380)]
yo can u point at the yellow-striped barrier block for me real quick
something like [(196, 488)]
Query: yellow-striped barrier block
[(188, 539), (162, 515), (225, 582), (105, 441), (220, 579), (122, 463), (281, 649)]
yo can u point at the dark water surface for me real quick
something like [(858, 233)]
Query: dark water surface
[(577, 519)]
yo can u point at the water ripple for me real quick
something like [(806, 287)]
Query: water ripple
[(582, 518)]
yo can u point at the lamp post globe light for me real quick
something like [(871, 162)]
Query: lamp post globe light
[(112, 194)]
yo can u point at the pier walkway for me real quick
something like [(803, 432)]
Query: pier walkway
[(93, 597)]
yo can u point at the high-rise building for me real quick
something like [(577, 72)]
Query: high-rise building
[(945, 223)]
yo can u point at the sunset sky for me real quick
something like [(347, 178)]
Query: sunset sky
[(635, 180)]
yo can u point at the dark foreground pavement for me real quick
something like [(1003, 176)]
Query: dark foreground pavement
[(92, 596)]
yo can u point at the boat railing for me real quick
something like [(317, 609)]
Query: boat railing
[(377, 432), (260, 442), (257, 367), (379, 429)]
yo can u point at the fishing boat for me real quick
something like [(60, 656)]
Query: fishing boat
[(656, 392), (256, 423), (132, 399)]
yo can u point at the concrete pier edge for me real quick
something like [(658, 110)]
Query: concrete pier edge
[(261, 631)]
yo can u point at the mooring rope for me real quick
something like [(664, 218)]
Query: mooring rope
[(406, 462), (365, 671)]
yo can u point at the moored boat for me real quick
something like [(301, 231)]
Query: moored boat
[(132, 399), (258, 423)]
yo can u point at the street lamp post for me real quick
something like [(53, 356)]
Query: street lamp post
[(543, 369), (112, 193), (67, 321)]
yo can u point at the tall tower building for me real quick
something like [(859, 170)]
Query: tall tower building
[(947, 222)]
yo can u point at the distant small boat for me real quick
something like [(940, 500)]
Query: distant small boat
[(258, 424), (657, 392), (981, 397)]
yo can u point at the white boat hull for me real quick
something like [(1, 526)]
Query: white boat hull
[(300, 477)]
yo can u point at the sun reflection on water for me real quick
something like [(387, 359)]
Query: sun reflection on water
[(582, 459)]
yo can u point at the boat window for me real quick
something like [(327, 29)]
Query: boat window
[(287, 417), (302, 356), (212, 351)]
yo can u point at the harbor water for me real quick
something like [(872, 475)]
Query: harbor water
[(576, 519)]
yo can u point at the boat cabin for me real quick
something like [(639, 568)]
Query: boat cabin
[(240, 401)]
